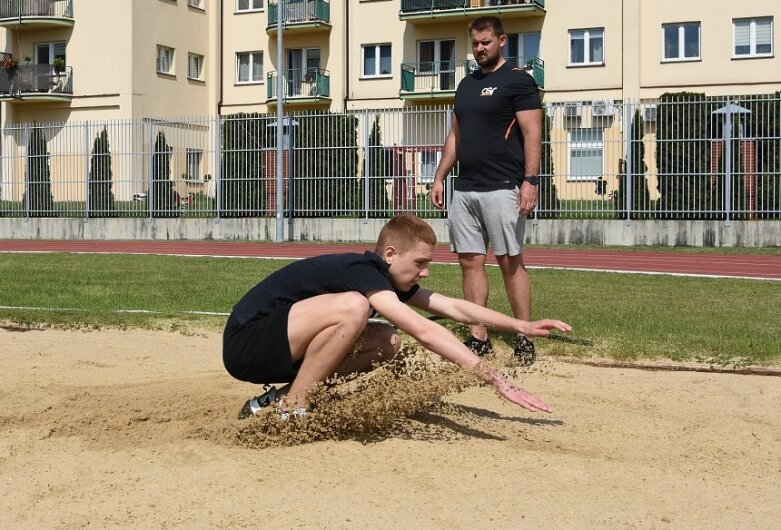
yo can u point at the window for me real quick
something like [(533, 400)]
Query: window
[(195, 3), (438, 57), (165, 60), (521, 48), (194, 66), (249, 67), (376, 60), (249, 5), (586, 47), (47, 52), (585, 154), (303, 70), (681, 42), (194, 157), (752, 37)]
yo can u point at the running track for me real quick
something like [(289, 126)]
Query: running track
[(679, 263)]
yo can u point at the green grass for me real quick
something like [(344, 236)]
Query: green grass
[(628, 316)]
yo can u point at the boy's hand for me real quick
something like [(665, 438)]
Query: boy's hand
[(541, 328), (518, 395)]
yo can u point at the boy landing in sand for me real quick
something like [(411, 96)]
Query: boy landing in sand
[(309, 321)]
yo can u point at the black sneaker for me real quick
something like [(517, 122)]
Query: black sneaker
[(253, 406), (524, 351), (479, 347)]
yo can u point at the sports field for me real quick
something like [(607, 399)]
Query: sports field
[(115, 423)]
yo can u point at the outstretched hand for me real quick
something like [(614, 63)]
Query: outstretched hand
[(541, 328), (518, 395)]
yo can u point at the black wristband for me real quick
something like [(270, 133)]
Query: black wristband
[(533, 180)]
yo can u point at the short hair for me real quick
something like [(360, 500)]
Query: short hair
[(487, 22), (403, 232)]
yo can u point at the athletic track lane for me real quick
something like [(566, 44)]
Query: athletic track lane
[(683, 263)]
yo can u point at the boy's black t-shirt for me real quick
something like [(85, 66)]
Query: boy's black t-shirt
[(490, 144), (331, 273)]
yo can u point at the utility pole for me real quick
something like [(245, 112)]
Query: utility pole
[(278, 235)]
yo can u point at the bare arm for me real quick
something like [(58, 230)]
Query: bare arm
[(442, 342), (468, 313), (449, 157), (530, 124)]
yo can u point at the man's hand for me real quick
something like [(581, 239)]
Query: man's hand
[(527, 199), (438, 194), (518, 395)]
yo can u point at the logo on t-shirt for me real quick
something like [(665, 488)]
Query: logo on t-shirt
[(488, 91)]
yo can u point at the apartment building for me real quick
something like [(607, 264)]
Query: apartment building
[(79, 60)]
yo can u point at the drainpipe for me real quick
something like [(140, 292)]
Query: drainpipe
[(221, 48), (346, 55)]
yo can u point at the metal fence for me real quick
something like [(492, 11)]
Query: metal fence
[(680, 157)]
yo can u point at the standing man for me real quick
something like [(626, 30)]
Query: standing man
[(496, 137)]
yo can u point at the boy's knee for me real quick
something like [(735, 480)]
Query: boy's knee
[(356, 305)]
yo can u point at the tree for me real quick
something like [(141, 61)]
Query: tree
[(242, 186), (38, 198), (376, 170), (641, 201), (100, 198), (548, 203), (165, 201)]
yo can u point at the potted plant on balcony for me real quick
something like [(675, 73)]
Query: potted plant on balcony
[(59, 65), (9, 65)]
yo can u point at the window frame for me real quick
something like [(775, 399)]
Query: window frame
[(586, 47), (752, 54), (172, 60), (377, 67), (249, 9), (250, 81), (581, 146), (193, 155), (197, 4), (681, 40), (201, 58)]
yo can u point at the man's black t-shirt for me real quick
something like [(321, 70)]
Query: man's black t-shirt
[(331, 273), (490, 144)]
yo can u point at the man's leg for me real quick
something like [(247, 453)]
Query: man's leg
[(517, 284), (474, 281), (321, 331)]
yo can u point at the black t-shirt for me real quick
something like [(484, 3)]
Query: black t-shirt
[(490, 144), (330, 273)]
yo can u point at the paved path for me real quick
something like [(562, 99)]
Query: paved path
[(683, 263)]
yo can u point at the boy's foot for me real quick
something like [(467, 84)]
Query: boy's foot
[(253, 406), (524, 351), (285, 415), (479, 347)]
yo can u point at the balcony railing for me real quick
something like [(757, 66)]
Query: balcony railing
[(36, 81), (427, 9), (36, 12), (300, 13), (300, 83), (441, 78)]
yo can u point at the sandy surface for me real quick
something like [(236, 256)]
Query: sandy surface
[(136, 429)]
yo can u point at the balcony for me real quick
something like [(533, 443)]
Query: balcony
[(35, 14), (439, 80), (36, 82), (426, 11), (300, 16), (302, 86)]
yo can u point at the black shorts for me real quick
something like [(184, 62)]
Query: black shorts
[(259, 351)]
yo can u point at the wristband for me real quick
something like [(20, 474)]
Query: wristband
[(533, 180)]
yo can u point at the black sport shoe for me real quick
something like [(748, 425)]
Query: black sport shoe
[(479, 347), (524, 351), (253, 406)]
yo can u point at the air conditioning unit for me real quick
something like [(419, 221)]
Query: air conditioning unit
[(572, 110), (649, 113), (602, 107)]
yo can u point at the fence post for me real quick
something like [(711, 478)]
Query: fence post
[(86, 170), (218, 166), (727, 134), (27, 172), (628, 131), (150, 194), (367, 166)]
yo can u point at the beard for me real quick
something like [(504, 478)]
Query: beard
[(488, 61)]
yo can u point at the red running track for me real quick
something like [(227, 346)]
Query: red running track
[(644, 261)]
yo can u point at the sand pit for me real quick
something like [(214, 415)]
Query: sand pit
[(137, 429)]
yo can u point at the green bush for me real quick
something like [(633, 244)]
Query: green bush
[(40, 201), (100, 199)]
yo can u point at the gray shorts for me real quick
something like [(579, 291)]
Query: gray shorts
[(479, 217)]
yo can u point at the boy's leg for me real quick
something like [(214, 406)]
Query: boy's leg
[(321, 331)]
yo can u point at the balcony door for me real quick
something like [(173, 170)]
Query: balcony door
[(521, 48), (303, 65), (45, 55), (438, 58)]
